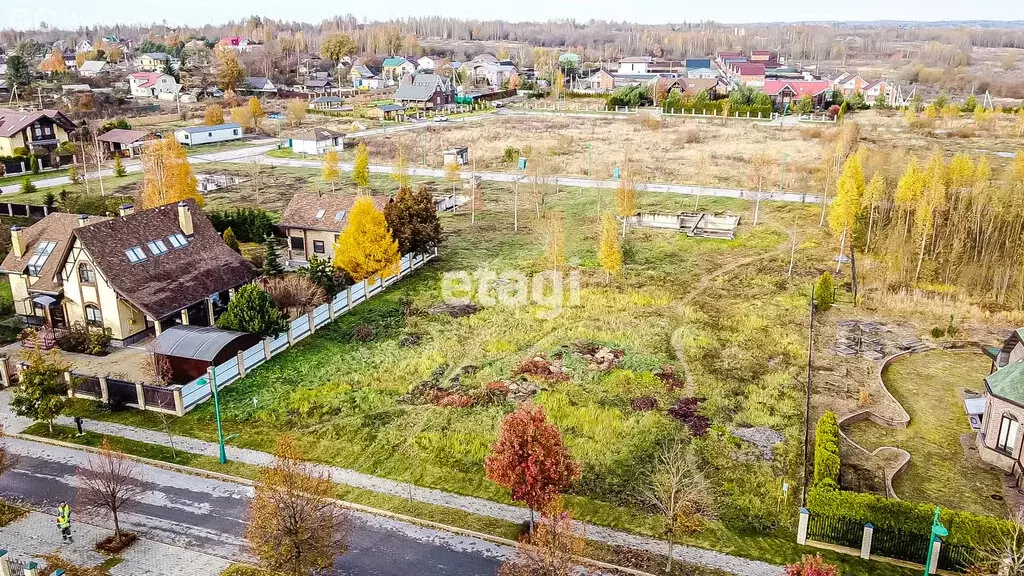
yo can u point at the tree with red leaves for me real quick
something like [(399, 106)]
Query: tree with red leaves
[(530, 459)]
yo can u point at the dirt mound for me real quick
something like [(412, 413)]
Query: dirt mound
[(599, 357), (539, 366), (668, 377), (454, 310)]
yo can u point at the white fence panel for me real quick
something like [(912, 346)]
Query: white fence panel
[(253, 356), (358, 292), (300, 327), (279, 343), (340, 303), (321, 315), (195, 392), (226, 373)]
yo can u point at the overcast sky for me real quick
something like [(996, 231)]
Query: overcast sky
[(66, 14)]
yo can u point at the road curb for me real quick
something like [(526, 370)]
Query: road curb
[(345, 504)]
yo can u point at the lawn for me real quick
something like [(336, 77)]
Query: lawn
[(940, 472), (18, 179), (358, 404)]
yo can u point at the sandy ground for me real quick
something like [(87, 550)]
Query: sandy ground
[(124, 363)]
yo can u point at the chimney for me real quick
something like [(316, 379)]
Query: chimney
[(17, 241), (126, 210), (83, 219), (185, 218)]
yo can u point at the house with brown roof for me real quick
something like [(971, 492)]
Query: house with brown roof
[(313, 222), (123, 143), (40, 131), (135, 274)]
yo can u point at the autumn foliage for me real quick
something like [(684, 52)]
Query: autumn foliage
[(167, 175), (365, 249), (552, 549), (609, 251), (530, 458), (811, 566)]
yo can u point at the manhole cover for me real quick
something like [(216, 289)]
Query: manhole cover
[(997, 497)]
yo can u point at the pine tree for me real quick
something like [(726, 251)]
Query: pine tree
[(824, 292), (361, 167), (412, 218), (365, 248), (252, 310), (167, 175), (609, 250), (272, 259), (230, 240), (119, 169), (330, 168)]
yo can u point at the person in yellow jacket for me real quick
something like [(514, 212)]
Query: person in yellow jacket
[(64, 521)]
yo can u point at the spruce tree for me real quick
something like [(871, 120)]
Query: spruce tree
[(272, 262)]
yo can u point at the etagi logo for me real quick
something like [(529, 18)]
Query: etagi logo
[(513, 288)]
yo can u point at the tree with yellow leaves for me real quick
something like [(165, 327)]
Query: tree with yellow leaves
[(242, 116), (873, 195), (553, 238), (256, 110), (609, 249), (908, 190), (167, 175), (330, 168), (214, 115), (295, 111), (230, 72), (626, 194), (54, 63), (932, 200), (558, 84), (365, 249), (361, 167), (842, 215), (400, 173)]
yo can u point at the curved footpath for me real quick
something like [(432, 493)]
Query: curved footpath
[(692, 555)]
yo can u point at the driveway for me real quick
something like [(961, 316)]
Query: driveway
[(123, 363)]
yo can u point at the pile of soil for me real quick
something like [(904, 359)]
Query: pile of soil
[(668, 377), (539, 366), (599, 357), (512, 390), (454, 310), (112, 545)]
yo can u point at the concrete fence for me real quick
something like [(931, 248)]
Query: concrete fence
[(847, 545)]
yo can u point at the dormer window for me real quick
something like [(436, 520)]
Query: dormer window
[(177, 240), (156, 247), (35, 264)]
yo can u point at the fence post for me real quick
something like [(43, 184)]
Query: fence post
[(32, 569), (348, 299), (936, 548), (865, 542), (5, 376), (5, 564), (179, 402), (330, 307), (141, 394), (104, 391), (240, 358), (266, 348), (801, 530), (312, 324), (289, 333)]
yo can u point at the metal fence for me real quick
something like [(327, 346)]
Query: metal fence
[(901, 545), (121, 392), (956, 557), (86, 384), (835, 530)]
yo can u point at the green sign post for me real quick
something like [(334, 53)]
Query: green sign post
[(938, 531)]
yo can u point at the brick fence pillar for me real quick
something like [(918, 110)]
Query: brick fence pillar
[(801, 530)]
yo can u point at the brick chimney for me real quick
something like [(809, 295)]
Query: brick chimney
[(185, 218), (126, 210), (17, 241)]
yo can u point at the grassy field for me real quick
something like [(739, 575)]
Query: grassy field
[(5, 180), (941, 470), (740, 329)]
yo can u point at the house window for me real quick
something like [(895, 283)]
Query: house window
[(1008, 428), (297, 243), (235, 131), (318, 246), (209, 134), (156, 247), (135, 254), (43, 250), (86, 275), (93, 316), (177, 240)]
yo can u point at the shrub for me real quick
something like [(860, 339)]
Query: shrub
[(27, 187), (825, 292), (826, 449), (686, 411), (294, 293), (511, 155), (938, 332), (363, 333), (248, 224), (644, 404), (82, 339), (119, 170), (811, 566)]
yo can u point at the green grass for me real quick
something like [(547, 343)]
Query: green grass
[(126, 185), (6, 180), (928, 386), (243, 570)]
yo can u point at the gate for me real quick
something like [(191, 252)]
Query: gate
[(121, 392)]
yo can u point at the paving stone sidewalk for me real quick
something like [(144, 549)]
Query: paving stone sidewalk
[(35, 535), (692, 555)]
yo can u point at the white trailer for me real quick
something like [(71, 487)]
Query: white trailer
[(209, 134)]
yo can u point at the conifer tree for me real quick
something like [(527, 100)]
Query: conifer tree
[(272, 259), (361, 167), (365, 249)]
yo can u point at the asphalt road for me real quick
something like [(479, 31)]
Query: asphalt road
[(208, 516)]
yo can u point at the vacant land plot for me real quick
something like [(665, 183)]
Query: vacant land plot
[(944, 468)]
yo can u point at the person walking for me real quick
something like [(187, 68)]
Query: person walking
[(64, 521)]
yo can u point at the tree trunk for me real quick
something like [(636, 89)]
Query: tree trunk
[(853, 271), (668, 565), (515, 207), (871, 222), (792, 254), (757, 207), (842, 246), (117, 525), (920, 257)]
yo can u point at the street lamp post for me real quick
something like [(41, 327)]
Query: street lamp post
[(938, 531), (216, 409)]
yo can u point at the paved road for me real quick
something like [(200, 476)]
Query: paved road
[(208, 516)]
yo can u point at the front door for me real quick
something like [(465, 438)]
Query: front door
[(57, 319)]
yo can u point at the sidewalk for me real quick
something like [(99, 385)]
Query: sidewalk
[(692, 555), (35, 534)]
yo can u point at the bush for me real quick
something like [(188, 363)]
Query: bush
[(938, 332), (363, 333), (511, 155), (825, 292), (644, 404), (632, 96), (964, 528), (27, 187), (826, 450), (84, 340), (811, 566), (248, 224)]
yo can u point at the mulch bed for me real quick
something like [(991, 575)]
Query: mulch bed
[(539, 366), (112, 545)]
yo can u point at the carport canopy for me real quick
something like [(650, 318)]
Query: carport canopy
[(196, 342)]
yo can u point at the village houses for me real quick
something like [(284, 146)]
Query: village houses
[(312, 223), (40, 132)]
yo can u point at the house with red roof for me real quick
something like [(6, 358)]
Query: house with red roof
[(151, 84), (784, 92), (749, 73), (849, 84), (239, 43)]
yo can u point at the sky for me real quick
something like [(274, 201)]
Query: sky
[(64, 14)]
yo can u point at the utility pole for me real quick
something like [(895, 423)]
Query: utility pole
[(99, 168)]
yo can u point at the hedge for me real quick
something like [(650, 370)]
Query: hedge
[(965, 528), (248, 224), (826, 450)]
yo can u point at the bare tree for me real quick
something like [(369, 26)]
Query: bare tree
[(551, 550), (680, 492), (109, 483), (703, 167), (1004, 555), (760, 170), (294, 525)]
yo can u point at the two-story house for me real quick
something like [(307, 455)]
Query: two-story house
[(999, 441), (313, 222), (135, 274), (152, 61), (40, 131), (151, 84), (393, 69), (425, 91)]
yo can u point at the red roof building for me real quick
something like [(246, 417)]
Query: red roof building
[(783, 92)]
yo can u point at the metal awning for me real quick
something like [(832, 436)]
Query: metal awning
[(44, 300), (195, 342)]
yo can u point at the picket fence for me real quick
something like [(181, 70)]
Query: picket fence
[(180, 398)]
